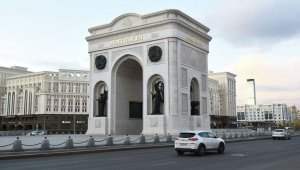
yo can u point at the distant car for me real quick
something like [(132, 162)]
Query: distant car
[(36, 133), (290, 130), (198, 142), (281, 134)]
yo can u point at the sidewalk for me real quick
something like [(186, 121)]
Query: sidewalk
[(99, 149)]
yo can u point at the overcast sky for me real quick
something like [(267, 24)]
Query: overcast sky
[(251, 38)]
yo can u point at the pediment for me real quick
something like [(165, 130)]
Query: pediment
[(126, 21)]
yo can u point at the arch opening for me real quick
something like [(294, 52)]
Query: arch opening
[(100, 99), (128, 96), (194, 97), (155, 89)]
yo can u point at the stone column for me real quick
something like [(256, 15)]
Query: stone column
[(173, 76)]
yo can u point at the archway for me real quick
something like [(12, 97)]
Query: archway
[(100, 99), (194, 97), (152, 82), (128, 101)]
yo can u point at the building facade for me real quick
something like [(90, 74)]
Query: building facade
[(149, 74), (222, 92), (4, 73), (293, 111), (53, 101), (265, 115), (251, 92)]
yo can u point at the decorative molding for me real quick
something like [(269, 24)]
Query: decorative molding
[(153, 122), (184, 81), (184, 103), (193, 58), (97, 124)]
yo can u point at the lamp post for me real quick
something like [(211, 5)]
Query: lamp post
[(74, 124)]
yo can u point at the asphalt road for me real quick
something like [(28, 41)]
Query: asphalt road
[(249, 155)]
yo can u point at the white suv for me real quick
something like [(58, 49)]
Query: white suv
[(198, 142), (281, 133)]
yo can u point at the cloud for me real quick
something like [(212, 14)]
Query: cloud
[(275, 83), (245, 22)]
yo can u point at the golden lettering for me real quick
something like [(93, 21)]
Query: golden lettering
[(194, 41), (127, 40)]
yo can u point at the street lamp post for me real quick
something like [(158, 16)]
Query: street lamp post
[(74, 124)]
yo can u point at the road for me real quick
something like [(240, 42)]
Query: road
[(265, 154)]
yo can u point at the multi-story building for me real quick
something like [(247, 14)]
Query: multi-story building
[(4, 73), (222, 91), (251, 92), (264, 115), (293, 113), (52, 101)]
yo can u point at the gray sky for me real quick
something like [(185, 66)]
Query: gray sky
[(251, 38)]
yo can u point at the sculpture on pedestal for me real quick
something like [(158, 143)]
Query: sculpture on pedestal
[(101, 103), (158, 97)]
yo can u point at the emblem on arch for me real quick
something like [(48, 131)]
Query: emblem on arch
[(155, 53)]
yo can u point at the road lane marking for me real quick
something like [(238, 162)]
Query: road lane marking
[(164, 163), (238, 154)]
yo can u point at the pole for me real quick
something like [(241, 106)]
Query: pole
[(74, 124), (45, 122)]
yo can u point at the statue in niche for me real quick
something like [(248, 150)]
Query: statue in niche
[(101, 103), (194, 110), (158, 97), (194, 104)]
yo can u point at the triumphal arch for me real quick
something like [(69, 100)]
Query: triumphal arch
[(149, 74)]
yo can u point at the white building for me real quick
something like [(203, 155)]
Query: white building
[(251, 92), (227, 92), (4, 73), (222, 92), (264, 115), (214, 96), (152, 70), (50, 100), (293, 111)]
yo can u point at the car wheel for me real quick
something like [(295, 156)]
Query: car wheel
[(180, 153), (289, 138), (274, 138), (201, 150), (221, 148)]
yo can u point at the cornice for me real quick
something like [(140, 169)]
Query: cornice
[(142, 26)]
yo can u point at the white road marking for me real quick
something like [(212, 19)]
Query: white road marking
[(238, 154), (164, 163)]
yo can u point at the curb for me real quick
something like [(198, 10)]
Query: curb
[(51, 153), (64, 152)]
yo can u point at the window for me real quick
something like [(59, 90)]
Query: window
[(203, 134), (210, 135), (186, 135)]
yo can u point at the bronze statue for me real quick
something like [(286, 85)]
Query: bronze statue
[(101, 103), (158, 97), (194, 110)]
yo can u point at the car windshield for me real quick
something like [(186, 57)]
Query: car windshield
[(186, 135), (279, 130)]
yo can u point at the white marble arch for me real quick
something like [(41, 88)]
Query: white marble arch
[(126, 42)]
